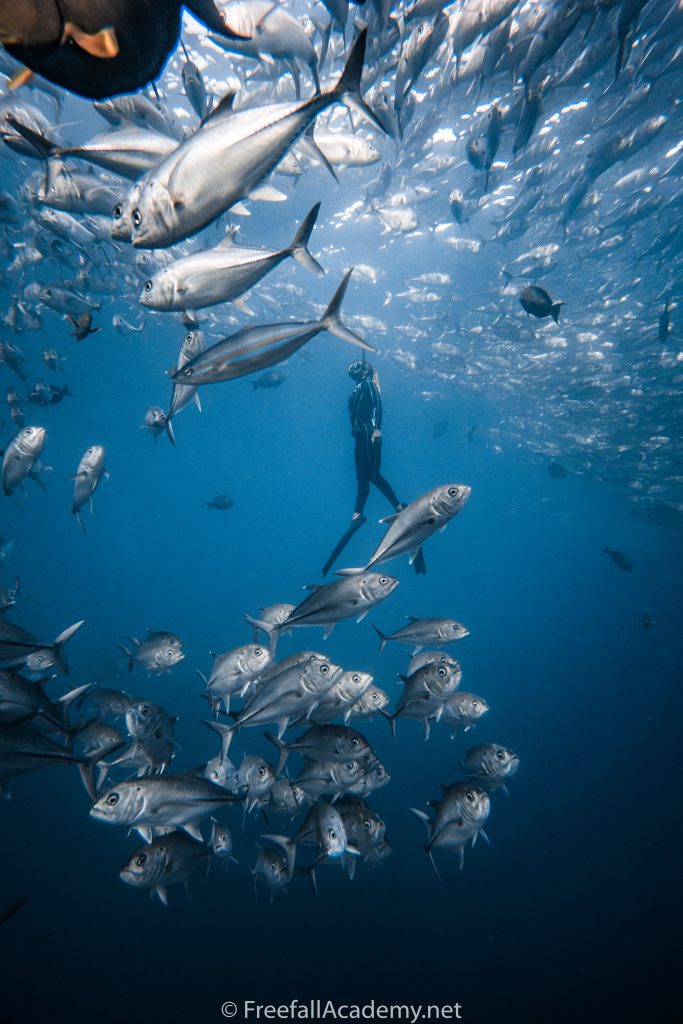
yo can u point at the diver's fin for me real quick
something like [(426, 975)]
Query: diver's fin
[(103, 44), (342, 542)]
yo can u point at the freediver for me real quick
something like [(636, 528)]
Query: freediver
[(365, 413)]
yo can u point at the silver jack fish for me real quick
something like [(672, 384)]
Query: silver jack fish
[(254, 348)]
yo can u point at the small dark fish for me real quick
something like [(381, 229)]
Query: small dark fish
[(646, 620), (440, 428), (221, 501), (272, 379), (13, 908), (557, 471), (621, 560), (82, 326), (664, 325), (536, 302)]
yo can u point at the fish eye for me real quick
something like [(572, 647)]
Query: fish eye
[(118, 211), (500, 755), (373, 695), (144, 710), (170, 653), (367, 824), (383, 580), (442, 671), (141, 860), (136, 218), (214, 774), (355, 678), (273, 865), (258, 652), (113, 799), (188, 371), (469, 796), (354, 741), (331, 833), (452, 491), (324, 669), (475, 703), (262, 771), (148, 286), (29, 431)]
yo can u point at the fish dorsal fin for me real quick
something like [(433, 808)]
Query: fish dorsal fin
[(223, 109), (412, 618), (267, 194), (228, 242), (312, 587)]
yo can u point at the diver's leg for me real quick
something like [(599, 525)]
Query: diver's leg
[(361, 458), (378, 480), (362, 454)]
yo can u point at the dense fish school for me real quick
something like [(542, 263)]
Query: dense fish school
[(520, 164)]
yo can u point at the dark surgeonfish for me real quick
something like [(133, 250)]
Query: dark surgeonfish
[(99, 48), (535, 301), (621, 560)]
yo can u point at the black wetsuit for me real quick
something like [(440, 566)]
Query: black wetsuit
[(365, 411)]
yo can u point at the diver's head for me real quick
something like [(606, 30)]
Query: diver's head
[(360, 370)]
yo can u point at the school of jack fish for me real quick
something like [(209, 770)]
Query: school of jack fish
[(525, 159)]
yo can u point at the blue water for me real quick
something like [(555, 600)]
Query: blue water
[(571, 913)]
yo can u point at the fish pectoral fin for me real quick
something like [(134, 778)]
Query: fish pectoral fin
[(391, 518), (102, 44), (193, 830), (161, 892), (243, 307)]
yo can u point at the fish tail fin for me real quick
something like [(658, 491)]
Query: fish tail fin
[(226, 733), (282, 747), (77, 514), (299, 247), (391, 719), (331, 320), (349, 84), (555, 311), (88, 763), (382, 637), (60, 642), (43, 146)]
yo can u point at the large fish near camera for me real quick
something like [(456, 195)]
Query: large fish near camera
[(224, 273), (329, 603), (410, 527), (229, 157), (254, 348)]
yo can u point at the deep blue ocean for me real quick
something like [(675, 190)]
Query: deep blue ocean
[(572, 913)]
